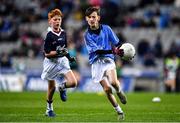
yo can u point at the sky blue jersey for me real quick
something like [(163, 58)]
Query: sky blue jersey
[(102, 41)]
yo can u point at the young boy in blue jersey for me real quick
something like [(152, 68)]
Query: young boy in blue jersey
[(102, 44), (56, 62)]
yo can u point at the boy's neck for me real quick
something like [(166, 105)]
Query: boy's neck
[(94, 27), (56, 30), (96, 30)]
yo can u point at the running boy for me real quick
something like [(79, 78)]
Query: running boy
[(99, 39), (56, 63)]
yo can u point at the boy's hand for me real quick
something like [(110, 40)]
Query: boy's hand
[(118, 51), (61, 51), (72, 59)]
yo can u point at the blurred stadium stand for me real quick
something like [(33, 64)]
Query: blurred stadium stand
[(150, 24)]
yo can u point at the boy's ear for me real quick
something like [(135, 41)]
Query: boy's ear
[(49, 21), (99, 18), (86, 18)]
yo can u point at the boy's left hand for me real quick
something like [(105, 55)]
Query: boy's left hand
[(72, 59), (118, 51), (61, 51)]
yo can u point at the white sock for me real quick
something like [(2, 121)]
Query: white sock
[(50, 105), (118, 109), (62, 81)]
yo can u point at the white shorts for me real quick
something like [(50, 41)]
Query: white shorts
[(99, 68), (53, 68)]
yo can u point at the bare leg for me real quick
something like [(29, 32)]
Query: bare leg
[(70, 83), (50, 93), (171, 84), (51, 89), (108, 91), (112, 78), (71, 80), (112, 99)]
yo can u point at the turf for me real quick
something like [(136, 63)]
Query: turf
[(88, 107)]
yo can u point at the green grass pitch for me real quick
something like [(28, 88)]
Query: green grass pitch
[(88, 107)]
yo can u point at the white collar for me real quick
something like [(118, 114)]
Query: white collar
[(58, 34)]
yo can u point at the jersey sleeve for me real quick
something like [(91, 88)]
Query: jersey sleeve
[(47, 44), (112, 36)]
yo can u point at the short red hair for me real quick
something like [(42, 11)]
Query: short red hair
[(54, 12)]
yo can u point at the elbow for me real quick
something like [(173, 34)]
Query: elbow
[(46, 55)]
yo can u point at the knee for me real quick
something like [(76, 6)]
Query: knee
[(107, 90), (115, 83), (73, 83)]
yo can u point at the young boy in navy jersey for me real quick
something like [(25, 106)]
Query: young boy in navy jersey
[(56, 62), (99, 40)]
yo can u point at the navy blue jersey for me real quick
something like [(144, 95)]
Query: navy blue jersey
[(100, 40), (53, 40)]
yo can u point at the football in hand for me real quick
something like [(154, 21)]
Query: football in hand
[(129, 51)]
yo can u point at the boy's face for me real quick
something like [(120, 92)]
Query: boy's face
[(55, 22), (93, 19)]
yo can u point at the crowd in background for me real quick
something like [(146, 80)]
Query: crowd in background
[(154, 14), (158, 14)]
